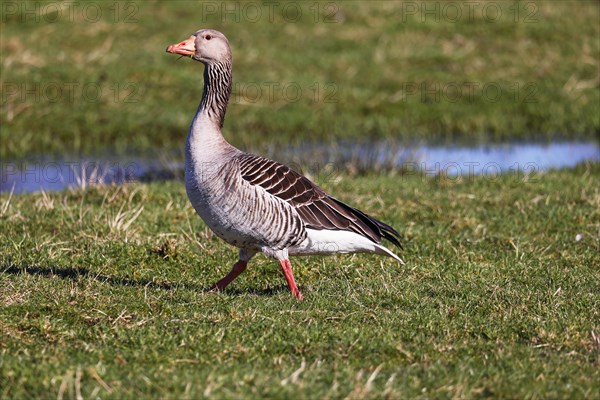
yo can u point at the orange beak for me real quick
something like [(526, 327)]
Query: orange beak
[(185, 48)]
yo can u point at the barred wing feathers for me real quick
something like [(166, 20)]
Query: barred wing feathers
[(316, 208)]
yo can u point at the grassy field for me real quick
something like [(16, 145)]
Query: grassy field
[(94, 76), (103, 296), (104, 289)]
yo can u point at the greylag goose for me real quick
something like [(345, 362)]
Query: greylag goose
[(256, 204)]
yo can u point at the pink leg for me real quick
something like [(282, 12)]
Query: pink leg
[(286, 268), (237, 269)]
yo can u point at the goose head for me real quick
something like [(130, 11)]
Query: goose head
[(206, 45)]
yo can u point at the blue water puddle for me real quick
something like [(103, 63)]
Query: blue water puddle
[(527, 158), (23, 177), (27, 176)]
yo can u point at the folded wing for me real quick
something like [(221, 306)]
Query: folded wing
[(316, 208)]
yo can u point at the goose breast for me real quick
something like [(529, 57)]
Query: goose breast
[(243, 214)]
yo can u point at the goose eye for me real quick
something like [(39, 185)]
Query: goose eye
[(208, 37)]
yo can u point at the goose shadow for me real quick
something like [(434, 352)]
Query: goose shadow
[(268, 291), (74, 273)]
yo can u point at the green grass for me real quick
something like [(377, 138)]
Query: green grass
[(103, 290), (374, 71), (498, 298)]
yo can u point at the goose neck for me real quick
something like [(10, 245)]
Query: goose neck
[(205, 131), (217, 89)]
